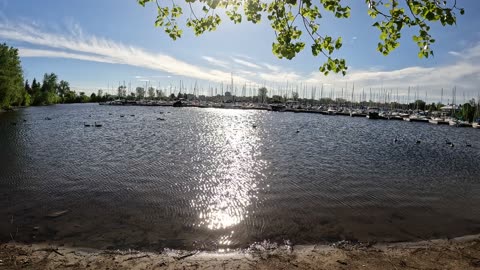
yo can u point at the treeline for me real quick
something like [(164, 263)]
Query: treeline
[(52, 91), (14, 91)]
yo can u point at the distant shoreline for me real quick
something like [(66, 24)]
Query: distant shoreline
[(458, 253)]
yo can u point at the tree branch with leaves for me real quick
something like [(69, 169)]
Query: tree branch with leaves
[(291, 19)]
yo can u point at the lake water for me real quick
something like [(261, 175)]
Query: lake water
[(209, 179)]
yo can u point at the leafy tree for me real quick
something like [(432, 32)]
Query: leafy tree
[(62, 89), (36, 92), (33, 88), (70, 97), (324, 100), (49, 82), (82, 98), (295, 96), (277, 99), (140, 92), (27, 98), (12, 88), (131, 96), (288, 18), (93, 97), (48, 93), (262, 93), (160, 93), (172, 96), (28, 88), (468, 112), (151, 92), (121, 91), (472, 102), (417, 105), (107, 97)]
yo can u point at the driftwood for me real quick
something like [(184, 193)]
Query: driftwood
[(137, 257), (186, 256), (50, 250), (57, 213)]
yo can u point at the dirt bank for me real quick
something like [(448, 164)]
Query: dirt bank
[(458, 253)]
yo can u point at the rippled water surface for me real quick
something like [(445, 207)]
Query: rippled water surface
[(209, 179)]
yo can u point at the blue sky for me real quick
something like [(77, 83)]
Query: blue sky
[(97, 44)]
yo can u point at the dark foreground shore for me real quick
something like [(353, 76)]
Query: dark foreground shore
[(458, 253)]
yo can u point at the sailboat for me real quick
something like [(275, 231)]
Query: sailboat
[(331, 110), (438, 121), (372, 113), (452, 120)]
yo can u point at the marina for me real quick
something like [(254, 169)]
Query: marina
[(373, 113)]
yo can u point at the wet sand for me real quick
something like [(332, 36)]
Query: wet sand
[(458, 253)]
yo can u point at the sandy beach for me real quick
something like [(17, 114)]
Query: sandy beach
[(458, 253)]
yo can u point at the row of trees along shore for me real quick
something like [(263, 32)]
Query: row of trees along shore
[(14, 91)]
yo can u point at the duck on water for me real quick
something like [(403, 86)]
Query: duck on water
[(94, 125)]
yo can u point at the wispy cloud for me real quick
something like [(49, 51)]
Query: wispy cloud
[(272, 67), (140, 77), (77, 45), (27, 52), (216, 62), (454, 53), (463, 74), (246, 63), (281, 77)]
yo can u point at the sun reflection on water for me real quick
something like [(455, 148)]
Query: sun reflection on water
[(231, 186)]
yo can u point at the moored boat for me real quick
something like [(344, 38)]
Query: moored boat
[(438, 121), (416, 118), (357, 113), (278, 107), (178, 103), (331, 111), (372, 113), (459, 123)]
